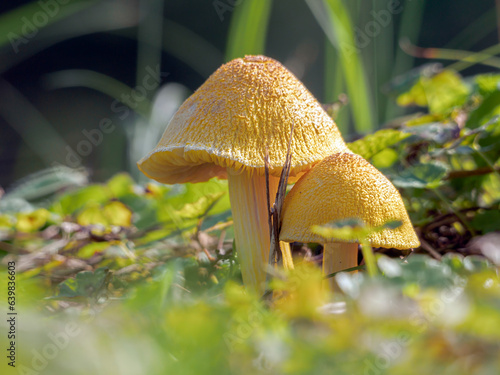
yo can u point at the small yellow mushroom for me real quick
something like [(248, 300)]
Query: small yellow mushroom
[(345, 186)]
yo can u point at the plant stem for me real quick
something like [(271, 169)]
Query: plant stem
[(369, 257)]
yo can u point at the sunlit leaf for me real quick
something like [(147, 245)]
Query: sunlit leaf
[(421, 176), (91, 249), (440, 93), (371, 144), (71, 202), (117, 213), (92, 215), (385, 158), (30, 222), (487, 83), (120, 184)]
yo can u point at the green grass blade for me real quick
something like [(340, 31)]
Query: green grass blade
[(335, 21), (248, 29), (334, 86), (475, 31), (149, 38), (100, 82), (21, 24), (411, 20)]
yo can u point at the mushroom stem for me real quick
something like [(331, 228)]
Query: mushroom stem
[(247, 193), (338, 256), (286, 253)]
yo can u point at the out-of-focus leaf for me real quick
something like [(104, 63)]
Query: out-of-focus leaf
[(92, 215), (489, 108), (120, 184), (487, 83), (73, 201), (437, 132), (14, 205), (421, 176), (441, 93), (145, 210), (117, 214), (487, 221), (371, 144), (474, 263), (84, 284), (90, 249), (48, 181), (113, 213), (171, 206), (6, 221), (30, 222), (350, 230), (196, 209), (385, 158)]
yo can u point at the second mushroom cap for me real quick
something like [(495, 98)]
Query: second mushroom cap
[(345, 186)]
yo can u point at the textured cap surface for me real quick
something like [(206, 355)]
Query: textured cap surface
[(345, 186), (245, 105)]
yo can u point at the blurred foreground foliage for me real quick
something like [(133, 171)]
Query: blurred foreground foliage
[(120, 278)]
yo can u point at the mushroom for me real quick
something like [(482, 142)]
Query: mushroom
[(222, 130), (345, 186)]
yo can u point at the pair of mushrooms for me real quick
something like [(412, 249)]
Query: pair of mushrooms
[(223, 129)]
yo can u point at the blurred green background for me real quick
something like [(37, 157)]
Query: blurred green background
[(67, 66)]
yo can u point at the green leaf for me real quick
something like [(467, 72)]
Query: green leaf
[(197, 209), (74, 201), (85, 284), (487, 83), (117, 214), (32, 221), (421, 176), (385, 158), (351, 230), (121, 184), (440, 93), (372, 144), (486, 221), (145, 210), (489, 108), (89, 250), (6, 221), (92, 215), (48, 181), (113, 213)]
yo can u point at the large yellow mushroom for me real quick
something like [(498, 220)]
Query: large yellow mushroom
[(345, 186), (222, 131)]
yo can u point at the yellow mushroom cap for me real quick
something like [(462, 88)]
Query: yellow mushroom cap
[(345, 186), (245, 105)]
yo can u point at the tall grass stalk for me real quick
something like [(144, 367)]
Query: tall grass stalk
[(248, 28), (336, 23)]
